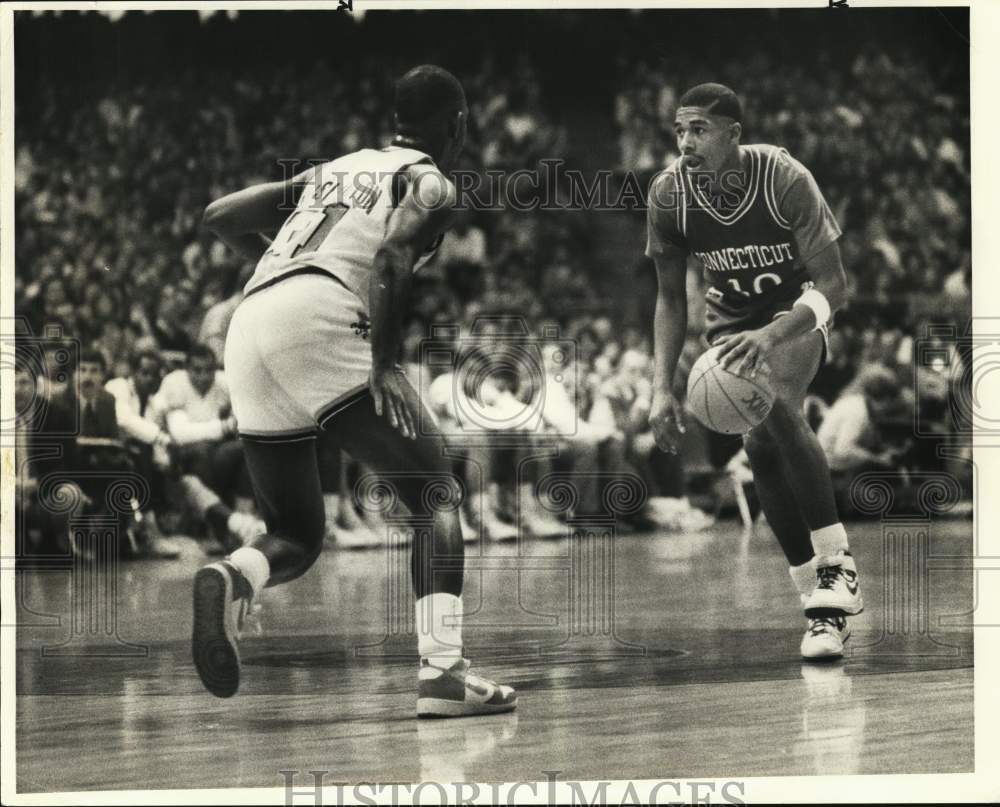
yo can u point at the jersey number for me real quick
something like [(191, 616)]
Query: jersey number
[(305, 230), (758, 285)]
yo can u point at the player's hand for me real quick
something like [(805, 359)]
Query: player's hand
[(745, 353), (666, 419), (388, 392)]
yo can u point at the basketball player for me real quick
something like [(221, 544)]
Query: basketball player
[(315, 345), (767, 242)]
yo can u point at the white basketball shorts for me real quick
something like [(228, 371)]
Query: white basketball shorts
[(297, 352)]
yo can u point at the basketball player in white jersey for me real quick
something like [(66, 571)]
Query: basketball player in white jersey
[(315, 346)]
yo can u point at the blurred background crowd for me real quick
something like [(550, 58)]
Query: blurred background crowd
[(544, 310)]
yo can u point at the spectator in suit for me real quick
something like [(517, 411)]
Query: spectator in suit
[(100, 454), (87, 396)]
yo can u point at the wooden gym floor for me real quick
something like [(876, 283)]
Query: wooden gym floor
[(696, 673)]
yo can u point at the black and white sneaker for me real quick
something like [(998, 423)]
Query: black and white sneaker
[(456, 692), (838, 589), (825, 637), (223, 607)]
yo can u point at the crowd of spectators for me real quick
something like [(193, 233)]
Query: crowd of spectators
[(110, 186)]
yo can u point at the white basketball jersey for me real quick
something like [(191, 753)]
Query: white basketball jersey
[(340, 221)]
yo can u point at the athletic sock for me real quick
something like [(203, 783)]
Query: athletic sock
[(829, 540), (439, 631), (253, 565), (804, 578)]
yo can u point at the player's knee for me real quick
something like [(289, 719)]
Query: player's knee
[(307, 530), (761, 447), (787, 419), (432, 493)]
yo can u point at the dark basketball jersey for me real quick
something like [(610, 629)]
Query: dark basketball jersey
[(752, 247)]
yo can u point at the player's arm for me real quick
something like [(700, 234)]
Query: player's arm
[(424, 212), (829, 279), (669, 332), (815, 232), (240, 219), (667, 247)]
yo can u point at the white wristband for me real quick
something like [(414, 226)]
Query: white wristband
[(818, 303)]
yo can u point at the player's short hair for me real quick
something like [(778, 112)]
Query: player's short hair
[(717, 99), (425, 93)]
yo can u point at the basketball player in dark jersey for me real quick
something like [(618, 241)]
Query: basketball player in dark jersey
[(767, 242), (315, 345)]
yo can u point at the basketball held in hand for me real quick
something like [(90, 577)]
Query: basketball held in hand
[(724, 401)]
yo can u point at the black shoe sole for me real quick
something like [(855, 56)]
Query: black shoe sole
[(213, 647), (814, 613)]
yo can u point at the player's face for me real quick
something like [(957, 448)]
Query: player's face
[(705, 141)]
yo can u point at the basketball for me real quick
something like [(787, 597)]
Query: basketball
[(724, 401)]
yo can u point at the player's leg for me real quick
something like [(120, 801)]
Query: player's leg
[(285, 478), (777, 499), (828, 583), (421, 473), (792, 370), (278, 436)]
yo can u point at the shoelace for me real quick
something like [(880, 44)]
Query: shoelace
[(824, 624), (828, 576), (248, 621), (470, 678)]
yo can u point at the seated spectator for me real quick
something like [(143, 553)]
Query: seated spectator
[(43, 446), (87, 396), (99, 454), (585, 447), (147, 443), (473, 409), (622, 403), (193, 406), (850, 433)]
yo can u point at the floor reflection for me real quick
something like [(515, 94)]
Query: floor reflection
[(833, 719)]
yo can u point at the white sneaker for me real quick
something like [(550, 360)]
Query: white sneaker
[(838, 590), (498, 530), (456, 692), (493, 528), (540, 525), (825, 637)]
